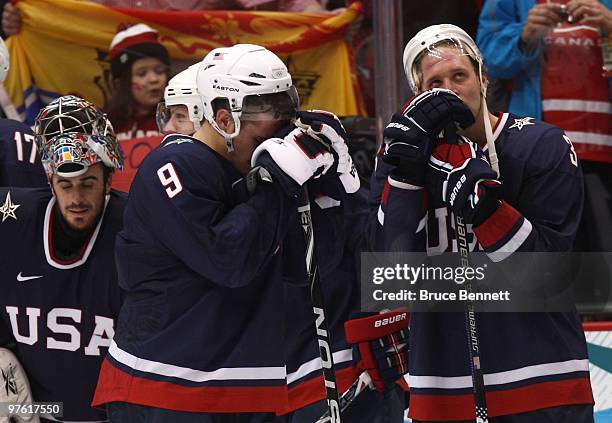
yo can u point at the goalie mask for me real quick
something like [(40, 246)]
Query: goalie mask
[(72, 134), (249, 80)]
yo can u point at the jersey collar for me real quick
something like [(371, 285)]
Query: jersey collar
[(498, 128)]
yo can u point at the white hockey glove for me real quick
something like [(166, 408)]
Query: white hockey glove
[(14, 386), (327, 128), (298, 155)]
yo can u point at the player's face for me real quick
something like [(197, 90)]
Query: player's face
[(148, 81), (81, 198), (453, 71), (252, 133), (179, 122)]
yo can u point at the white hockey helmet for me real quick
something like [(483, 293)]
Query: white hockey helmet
[(5, 61), (426, 41), (253, 80), (182, 90)]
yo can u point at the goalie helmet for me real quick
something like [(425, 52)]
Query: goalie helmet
[(427, 40), (72, 134), (254, 81), (181, 90), (4, 60)]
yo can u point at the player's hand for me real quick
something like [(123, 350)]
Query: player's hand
[(461, 176), (433, 110), (327, 128), (541, 19), (11, 19), (410, 136), (380, 345), (590, 12), (298, 155)]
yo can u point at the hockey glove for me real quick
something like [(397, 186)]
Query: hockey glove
[(298, 155), (461, 176), (410, 136), (380, 345), (14, 386), (433, 110), (326, 127)]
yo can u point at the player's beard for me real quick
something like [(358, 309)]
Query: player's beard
[(90, 219), (89, 224), (68, 240)]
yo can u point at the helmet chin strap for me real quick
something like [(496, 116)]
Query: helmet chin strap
[(229, 144), (487, 125), (229, 138), (489, 134)]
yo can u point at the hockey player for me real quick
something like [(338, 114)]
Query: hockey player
[(535, 364), (182, 110), (201, 330), (19, 161), (59, 285), (202, 334), (340, 217)]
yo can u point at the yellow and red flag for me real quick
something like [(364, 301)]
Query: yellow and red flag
[(62, 46)]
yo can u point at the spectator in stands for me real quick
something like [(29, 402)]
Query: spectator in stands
[(552, 52), (11, 19), (140, 66)]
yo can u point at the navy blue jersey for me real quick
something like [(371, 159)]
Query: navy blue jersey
[(530, 360), (338, 222), (202, 327), (59, 314), (19, 159)]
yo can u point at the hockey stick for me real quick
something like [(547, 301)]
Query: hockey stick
[(470, 325), (318, 306), (473, 337), (353, 391)]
